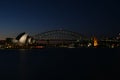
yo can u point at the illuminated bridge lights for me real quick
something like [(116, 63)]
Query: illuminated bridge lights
[(60, 36)]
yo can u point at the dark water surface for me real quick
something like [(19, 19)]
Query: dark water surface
[(60, 64)]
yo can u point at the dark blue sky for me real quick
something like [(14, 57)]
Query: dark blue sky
[(35, 16)]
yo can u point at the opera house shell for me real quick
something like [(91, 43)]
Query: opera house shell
[(23, 38)]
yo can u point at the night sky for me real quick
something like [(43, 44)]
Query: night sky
[(99, 17)]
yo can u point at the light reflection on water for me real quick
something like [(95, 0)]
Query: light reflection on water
[(22, 64), (53, 63)]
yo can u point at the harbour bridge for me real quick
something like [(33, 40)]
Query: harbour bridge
[(58, 37)]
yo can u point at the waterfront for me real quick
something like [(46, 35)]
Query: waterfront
[(59, 64), (58, 39)]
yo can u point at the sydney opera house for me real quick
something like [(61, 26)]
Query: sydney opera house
[(23, 39)]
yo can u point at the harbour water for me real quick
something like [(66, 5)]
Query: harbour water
[(59, 64)]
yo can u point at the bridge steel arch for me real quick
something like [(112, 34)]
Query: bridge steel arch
[(58, 36)]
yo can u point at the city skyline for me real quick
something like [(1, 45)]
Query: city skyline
[(37, 16)]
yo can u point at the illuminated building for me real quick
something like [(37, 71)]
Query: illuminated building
[(23, 38), (95, 42)]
